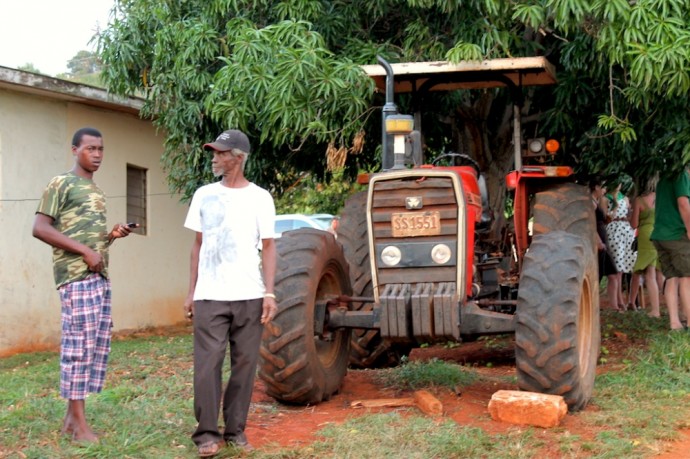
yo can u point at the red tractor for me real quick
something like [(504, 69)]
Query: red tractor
[(411, 265)]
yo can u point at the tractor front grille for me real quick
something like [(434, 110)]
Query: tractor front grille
[(431, 192)]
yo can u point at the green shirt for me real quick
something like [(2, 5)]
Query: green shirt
[(668, 224), (77, 207)]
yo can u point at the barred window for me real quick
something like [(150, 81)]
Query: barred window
[(136, 198)]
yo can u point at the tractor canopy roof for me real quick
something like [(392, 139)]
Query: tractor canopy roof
[(444, 76)]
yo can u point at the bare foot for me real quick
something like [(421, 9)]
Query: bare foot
[(84, 436), (676, 325), (79, 433), (66, 428)]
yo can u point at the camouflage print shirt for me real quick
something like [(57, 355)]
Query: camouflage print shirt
[(77, 206)]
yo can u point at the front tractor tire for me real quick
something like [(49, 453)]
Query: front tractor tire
[(298, 365), (557, 333)]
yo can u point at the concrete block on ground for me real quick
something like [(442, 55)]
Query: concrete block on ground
[(428, 403), (527, 408)]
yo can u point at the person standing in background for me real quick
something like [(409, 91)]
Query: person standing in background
[(606, 266), (71, 218), (671, 237), (620, 236), (647, 258)]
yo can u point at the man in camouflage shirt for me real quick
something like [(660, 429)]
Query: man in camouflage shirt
[(71, 218)]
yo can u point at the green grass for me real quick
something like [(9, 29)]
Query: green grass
[(646, 399), (145, 410), (396, 436), (421, 374)]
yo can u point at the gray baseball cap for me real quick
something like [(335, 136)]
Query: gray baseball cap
[(228, 140)]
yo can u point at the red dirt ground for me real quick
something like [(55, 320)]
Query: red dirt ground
[(296, 426), (269, 427)]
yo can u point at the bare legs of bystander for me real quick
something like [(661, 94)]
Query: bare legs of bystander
[(613, 292), (75, 423), (650, 282), (677, 287)]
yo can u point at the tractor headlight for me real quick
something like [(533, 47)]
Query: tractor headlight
[(399, 124), (391, 255), (441, 254), (536, 145)]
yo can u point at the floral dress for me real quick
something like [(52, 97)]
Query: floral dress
[(620, 235)]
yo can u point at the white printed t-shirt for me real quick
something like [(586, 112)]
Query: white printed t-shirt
[(232, 222)]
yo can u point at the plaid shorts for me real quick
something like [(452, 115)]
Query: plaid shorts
[(86, 330)]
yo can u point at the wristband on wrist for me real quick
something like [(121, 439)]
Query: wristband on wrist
[(269, 295)]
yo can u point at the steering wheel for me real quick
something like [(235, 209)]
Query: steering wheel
[(464, 160)]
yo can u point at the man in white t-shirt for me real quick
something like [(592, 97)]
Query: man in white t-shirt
[(230, 296)]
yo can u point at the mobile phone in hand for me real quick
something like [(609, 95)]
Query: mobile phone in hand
[(131, 225)]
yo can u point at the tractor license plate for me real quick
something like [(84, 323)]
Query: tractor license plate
[(405, 224)]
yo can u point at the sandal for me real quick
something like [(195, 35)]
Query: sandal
[(210, 448)]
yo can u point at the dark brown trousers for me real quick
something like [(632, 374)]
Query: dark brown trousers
[(217, 324)]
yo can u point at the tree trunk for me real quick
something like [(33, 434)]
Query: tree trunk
[(487, 136)]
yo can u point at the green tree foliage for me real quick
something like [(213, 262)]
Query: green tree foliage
[(287, 73), (84, 68), (84, 63), (205, 66), (308, 195), (29, 67), (624, 78)]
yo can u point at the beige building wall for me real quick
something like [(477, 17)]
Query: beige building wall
[(149, 272)]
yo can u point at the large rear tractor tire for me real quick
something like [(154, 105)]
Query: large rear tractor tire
[(298, 365), (557, 333), (354, 237), (368, 349), (567, 207)]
